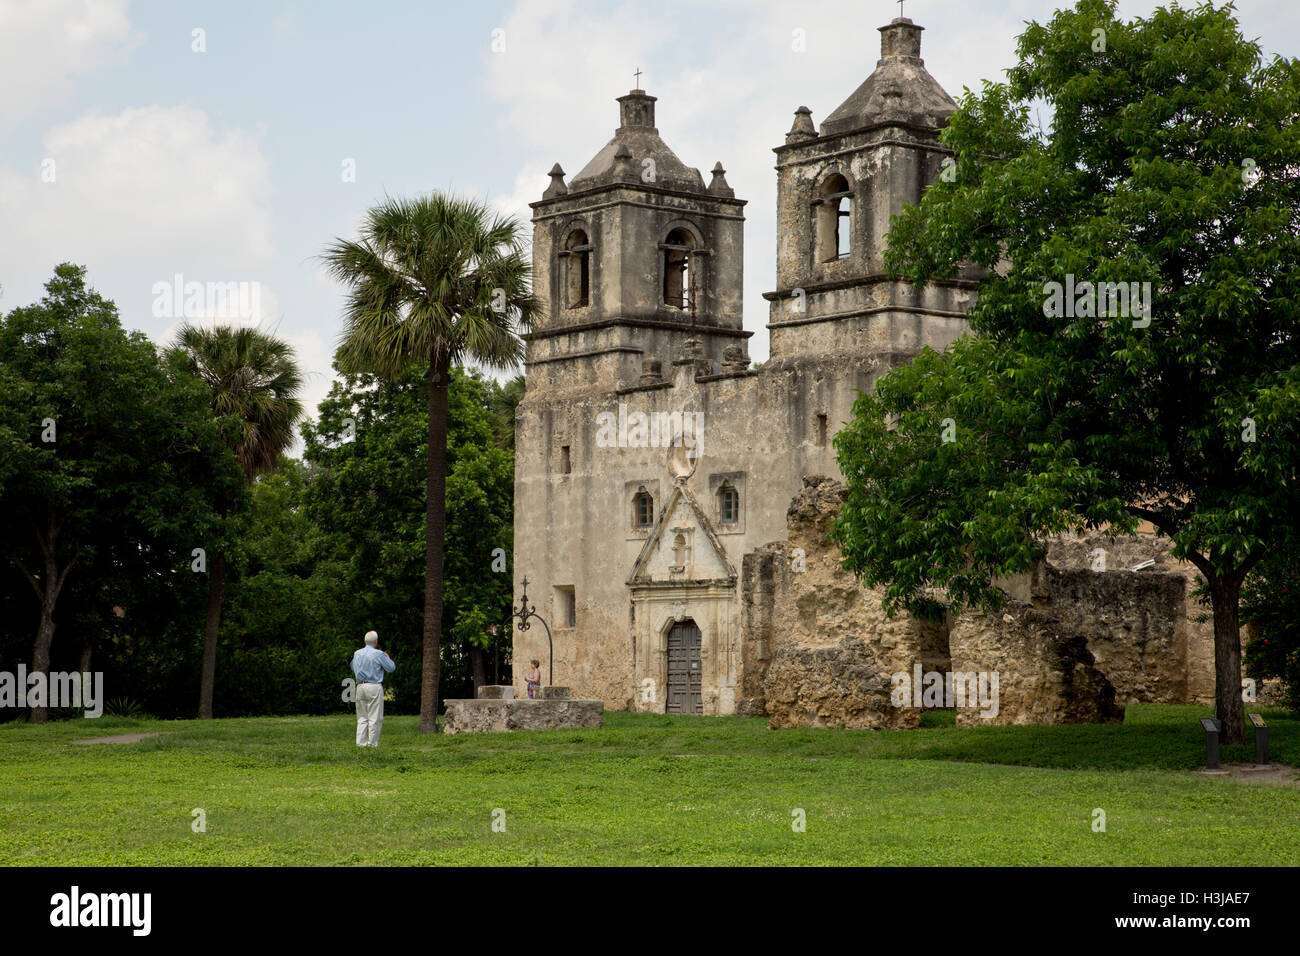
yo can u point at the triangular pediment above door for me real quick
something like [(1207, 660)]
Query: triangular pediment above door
[(682, 547)]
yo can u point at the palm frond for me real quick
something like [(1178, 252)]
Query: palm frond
[(255, 384), (432, 277)]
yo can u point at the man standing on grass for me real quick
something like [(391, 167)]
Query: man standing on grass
[(369, 664)]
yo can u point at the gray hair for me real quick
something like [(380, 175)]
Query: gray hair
[(372, 638)]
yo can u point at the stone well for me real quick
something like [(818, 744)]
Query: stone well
[(496, 709)]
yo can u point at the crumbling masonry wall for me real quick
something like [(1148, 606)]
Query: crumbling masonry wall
[(1072, 645), (819, 648)]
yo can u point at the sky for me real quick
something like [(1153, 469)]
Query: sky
[(230, 142)]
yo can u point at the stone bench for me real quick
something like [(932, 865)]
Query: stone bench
[(553, 709)]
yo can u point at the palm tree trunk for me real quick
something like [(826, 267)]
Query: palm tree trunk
[(435, 531), (211, 628)]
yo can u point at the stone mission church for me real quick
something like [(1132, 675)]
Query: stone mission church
[(655, 469)]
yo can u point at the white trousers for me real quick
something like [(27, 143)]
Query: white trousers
[(370, 714)]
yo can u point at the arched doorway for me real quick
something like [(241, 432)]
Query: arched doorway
[(685, 675)]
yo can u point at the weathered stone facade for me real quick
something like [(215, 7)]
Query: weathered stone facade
[(635, 528), (655, 468)]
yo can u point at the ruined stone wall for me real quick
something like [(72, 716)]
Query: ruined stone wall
[(1193, 640), (832, 649), (1072, 645), (760, 572), (1046, 671)]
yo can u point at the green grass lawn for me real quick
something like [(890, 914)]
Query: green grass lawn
[(644, 789)]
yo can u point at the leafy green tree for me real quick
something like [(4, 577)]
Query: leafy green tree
[(366, 494), (433, 282), (1172, 158), (502, 402), (1270, 607), (104, 458), (285, 634), (480, 517), (254, 383)]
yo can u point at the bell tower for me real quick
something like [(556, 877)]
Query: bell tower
[(628, 257), (836, 190)]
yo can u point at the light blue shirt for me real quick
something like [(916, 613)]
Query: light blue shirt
[(369, 664)]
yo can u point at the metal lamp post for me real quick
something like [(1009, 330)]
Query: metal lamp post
[(523, 614)]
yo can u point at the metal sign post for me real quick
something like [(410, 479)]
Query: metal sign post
[(1212, 728), (1261, 738)]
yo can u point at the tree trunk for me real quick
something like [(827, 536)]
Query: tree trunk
[(435, 530), (87, 652), (49, 597), (477, 666), (1225, 594), (44, 638), (211, 628)]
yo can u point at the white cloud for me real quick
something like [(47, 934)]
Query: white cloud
[(562, 65), (46, 45), (526, 190), (139, 196), (314, 356)]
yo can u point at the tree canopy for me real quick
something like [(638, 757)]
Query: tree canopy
[(365, 493), (107, 462)]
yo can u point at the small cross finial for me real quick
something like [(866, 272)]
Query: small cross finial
[(638, 73), (900, 7)]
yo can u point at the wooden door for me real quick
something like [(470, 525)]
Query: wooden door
[(685, 675)]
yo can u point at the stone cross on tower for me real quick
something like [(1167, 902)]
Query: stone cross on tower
[(900, 7), (638, 73)]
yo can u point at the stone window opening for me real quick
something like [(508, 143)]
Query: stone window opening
[(643, 509), (566, 462), (834, 219), (821, 430), (681, 279), (728, 504), (577, 269), (566, 606)]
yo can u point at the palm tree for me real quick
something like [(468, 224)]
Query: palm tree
[(436, 280), (254, 383)]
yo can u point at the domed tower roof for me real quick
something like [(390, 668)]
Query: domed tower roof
[(623, 158), (900, 90)]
